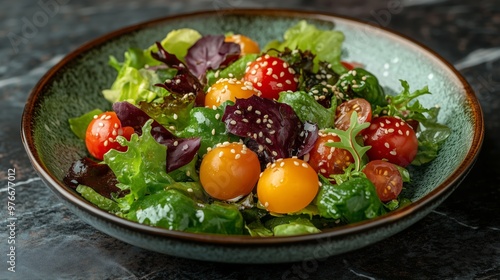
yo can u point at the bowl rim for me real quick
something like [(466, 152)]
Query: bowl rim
[(443, 190)]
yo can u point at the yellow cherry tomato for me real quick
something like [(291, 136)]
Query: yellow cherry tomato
[(229, 171), (247, 45), (228, 89), (287, 186)]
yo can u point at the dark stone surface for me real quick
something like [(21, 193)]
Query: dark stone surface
[(459, 240)]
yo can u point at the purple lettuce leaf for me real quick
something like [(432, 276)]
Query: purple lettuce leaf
[(274, 130), (210, 52), (180, 151), (184, 83)]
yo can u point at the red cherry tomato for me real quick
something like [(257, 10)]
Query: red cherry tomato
[(271, 75), (345, 109), (329, 160), (351, 65), (391, 139), (102, 132), (386, 178)]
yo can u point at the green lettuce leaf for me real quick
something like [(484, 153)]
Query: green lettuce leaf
[(135, 85), (206, 123), (325, 44), (307, 109), (98, 200), (142, 168), (352, 201), (135, 81), (173, 210), (79, 124), (234, 70)]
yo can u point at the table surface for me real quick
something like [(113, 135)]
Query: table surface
[(460, 239)]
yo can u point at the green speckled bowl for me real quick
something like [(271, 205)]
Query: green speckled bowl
[(74, 85)]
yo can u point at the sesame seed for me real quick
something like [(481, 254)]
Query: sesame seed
[(237, 156), (106, 143), (279, 85), (390, 130), (269, 141), (175, 116), (393, 152), (245, 120), (407, 133), (233, 151), (400, 132), (249, 108), (288, 82), (176, 143), (305, 165), (274, 153), (185, 147), (100, 124), (274, 63), (296, 163), (213, 131), (221, 153), (386, 145)]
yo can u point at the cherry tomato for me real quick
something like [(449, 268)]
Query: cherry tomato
[(247, 45), (229, 171), (271, 75), (351, 65), (329, 160), (228, 89), (287, 186), (102, 132), (391, 139), (345, 109), (386, 178)]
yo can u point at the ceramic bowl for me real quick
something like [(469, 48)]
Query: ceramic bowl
[(73, 87)]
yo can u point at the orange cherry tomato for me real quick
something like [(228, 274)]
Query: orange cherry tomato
[(247, 45), (228, 89), (229, 171), (287, 186), (102, 132)]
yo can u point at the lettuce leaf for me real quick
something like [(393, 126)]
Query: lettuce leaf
[(306, 107), (171, 209), (142, 168), (136, 78), (352, 201), (79, 124), (325, 44)]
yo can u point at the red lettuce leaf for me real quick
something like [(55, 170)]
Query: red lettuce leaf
[(274, 130), (180, 151), (184, 83), (210, 52)]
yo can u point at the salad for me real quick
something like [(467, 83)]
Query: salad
[(216, 134)]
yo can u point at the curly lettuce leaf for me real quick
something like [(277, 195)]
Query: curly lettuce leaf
[(181, 151), (136, 78), (142, 168), (134, 85), (325, 44)]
